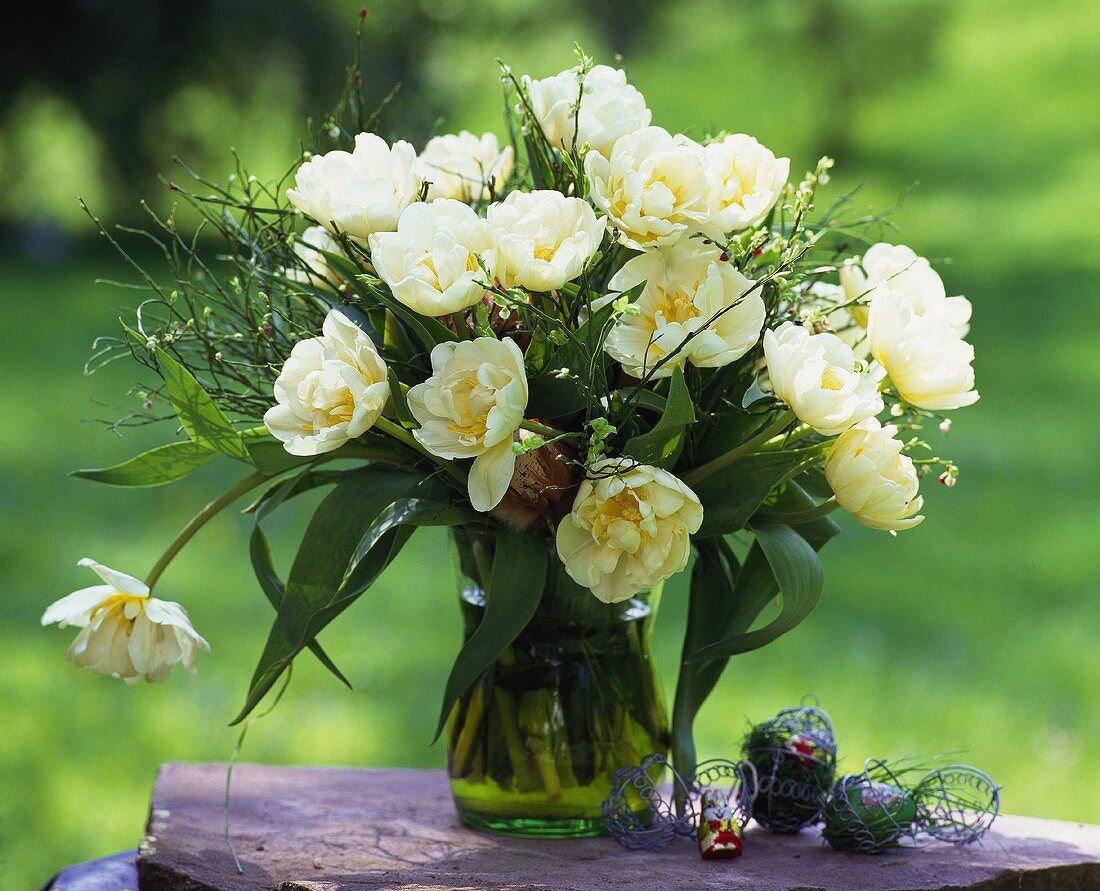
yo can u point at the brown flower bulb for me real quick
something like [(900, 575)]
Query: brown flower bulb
[(541, 490)]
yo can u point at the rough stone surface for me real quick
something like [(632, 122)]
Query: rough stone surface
[(318, 829)]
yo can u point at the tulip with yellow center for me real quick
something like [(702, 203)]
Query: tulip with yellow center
[(541, 239), (653, 187), (872, 479), (745, 181), (361, 191), (686, 287), (331, 389), (630, 529), (471, 407), (465, 167), (901, 269), (609, 108), (925, 356), (818, 377), (432, 262), (125, 633)]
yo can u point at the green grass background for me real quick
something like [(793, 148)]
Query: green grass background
[(976, 633)]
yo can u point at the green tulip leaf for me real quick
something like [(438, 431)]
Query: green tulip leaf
[(515, 588), (156, 467)]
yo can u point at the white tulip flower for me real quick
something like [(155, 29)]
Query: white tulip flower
[(901, 269), (609, 108), (464, 166), (925, 356), (872, 479), (432, 263), (846, 322), (653, 187), (541, 239), (818, 377), (125, 633), (358, 192), (686, 285), (310, 248), (630, 529), (330, 390), (471, 407), (745, 180)]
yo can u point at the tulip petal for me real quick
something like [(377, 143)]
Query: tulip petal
[(490, 475)]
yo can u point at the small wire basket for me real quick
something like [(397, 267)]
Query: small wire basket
[(642, 812)]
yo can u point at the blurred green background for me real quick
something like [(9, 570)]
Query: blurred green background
[(976, 633)]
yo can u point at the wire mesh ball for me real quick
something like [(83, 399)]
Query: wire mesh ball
[(794, 755), (869, 812), (640, 814), (957, 803)]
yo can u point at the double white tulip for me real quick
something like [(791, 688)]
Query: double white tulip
[(817, 376), (609, 108), (330, 390), (927, 360), (432, 263), (358, 192), (541, 239), (465, 167), (653, 187), (125, 633), (471, 407), (872, 479), (686, 285), (629, 529), (310, 248), (745, 179), (901, 269)]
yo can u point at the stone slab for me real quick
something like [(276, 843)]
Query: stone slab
[(337, 829)]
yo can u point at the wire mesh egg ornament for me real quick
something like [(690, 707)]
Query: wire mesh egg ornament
[(794, 755), (638, 815), (869, 812), (957, 803)]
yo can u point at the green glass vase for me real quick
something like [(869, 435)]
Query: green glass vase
[(532, 746)]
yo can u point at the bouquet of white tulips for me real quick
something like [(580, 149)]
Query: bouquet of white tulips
[(593, 342)]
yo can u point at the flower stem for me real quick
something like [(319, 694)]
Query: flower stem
[(544, 430), (722, 461), (199, 520)]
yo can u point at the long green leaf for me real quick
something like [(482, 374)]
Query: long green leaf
[(722, 610), (712, 606), (201, 418), (660, 443), (270, 458), (400, 404), (428, 332), (272, 586), (288, 488), (164, 464), (731, 496), (793, 569), (314, 594), (515, 587)]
